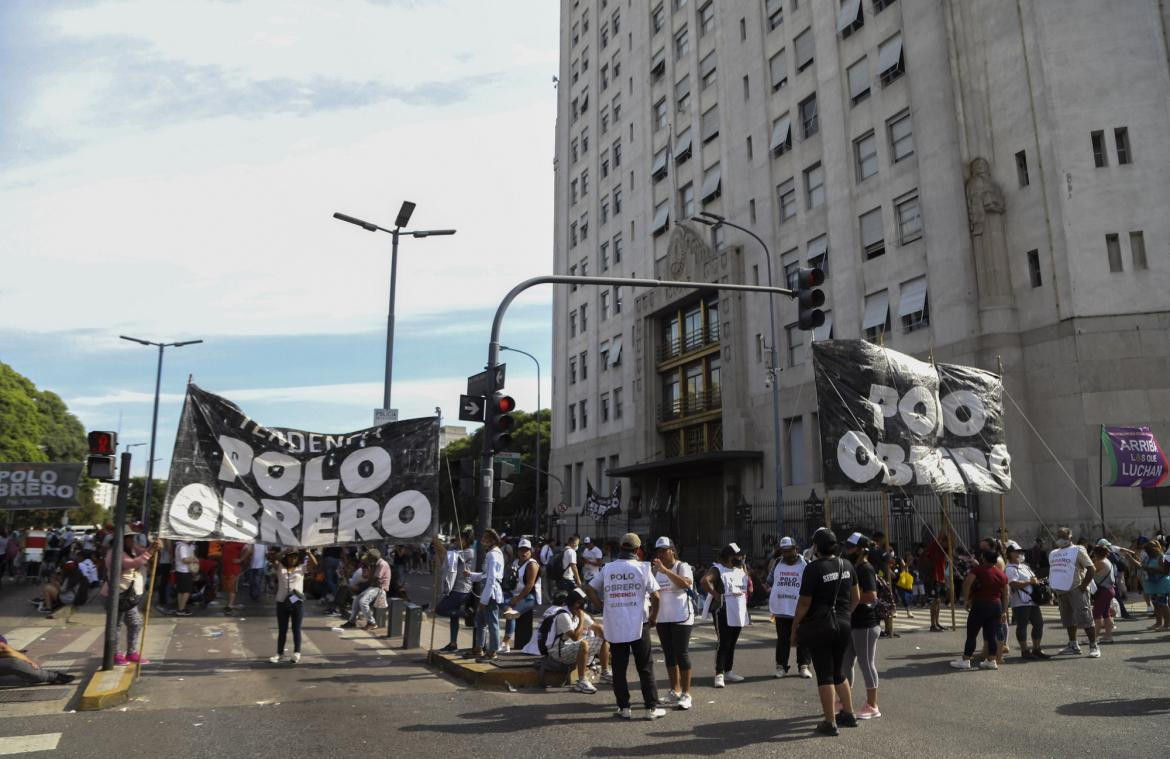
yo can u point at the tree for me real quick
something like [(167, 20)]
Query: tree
[(134, 496)]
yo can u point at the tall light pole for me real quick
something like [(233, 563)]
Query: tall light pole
[(403, 219), (149, 489), (537, 468), (715, 220)]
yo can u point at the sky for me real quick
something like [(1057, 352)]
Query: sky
[(169, 171)]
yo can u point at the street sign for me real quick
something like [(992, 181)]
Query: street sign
[(562, 507), (509, 458), (385, 416), (481, 384), (471, 408)]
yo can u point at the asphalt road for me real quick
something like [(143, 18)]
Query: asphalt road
[(210, 691)]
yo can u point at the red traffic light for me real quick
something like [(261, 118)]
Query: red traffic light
[(103, 443), (505, 404), (806, 278)]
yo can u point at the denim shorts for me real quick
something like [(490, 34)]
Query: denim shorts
[(1160, 599)]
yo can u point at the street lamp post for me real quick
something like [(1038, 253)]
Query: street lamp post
[(401, 221), (714, 220), (536, 499), (148, 490)]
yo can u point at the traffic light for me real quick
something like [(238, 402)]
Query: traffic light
[(809, 298), (500, 422), (100, 465), (503, 470)]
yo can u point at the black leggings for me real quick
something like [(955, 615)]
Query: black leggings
[(728, 635), (784, 645), (284, 612), (1025, 615), (984, 615), (620, 654), (828, 653), (675, 638)]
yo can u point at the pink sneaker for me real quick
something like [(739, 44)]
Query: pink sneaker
[(138, 658), (120, 659), (867, 712)]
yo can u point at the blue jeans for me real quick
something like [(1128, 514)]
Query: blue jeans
[(331, 565), (255, 584), (528, 603), (452, 607), (487, 618)]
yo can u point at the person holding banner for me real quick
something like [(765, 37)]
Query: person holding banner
[(1070, 575), (456, 586), (131, 584), (786, 577), (290, 601)]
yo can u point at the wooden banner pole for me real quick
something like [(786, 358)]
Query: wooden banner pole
[(950, 533)]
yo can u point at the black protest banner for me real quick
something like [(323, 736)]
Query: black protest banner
[(235, 479), (889, 421), (39, 486), (599, 506)]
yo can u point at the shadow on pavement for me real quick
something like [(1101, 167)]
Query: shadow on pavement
[(719, 738), (513, 719), (1116, 707)]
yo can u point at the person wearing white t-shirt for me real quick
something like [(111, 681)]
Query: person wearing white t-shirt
[(570, 574), (786, 577), (676, 616), (621, 589), (591, 561), (1023, 581), (567, 641), (1070, 573), (728, 585), (547, 550), (186, 565)]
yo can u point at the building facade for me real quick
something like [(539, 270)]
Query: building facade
[(983, 181)]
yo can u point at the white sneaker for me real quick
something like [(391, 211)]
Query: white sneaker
[(655, 713), (296, 657), (718, 681), (503, 649), (804, 672), (274, 659), (624, 713), (1094, 652), (510, 614), (731, 677), (606, 676), (671, 697), (684, 701), (781, 671), (584, 686), (988, 664), (961, 664)]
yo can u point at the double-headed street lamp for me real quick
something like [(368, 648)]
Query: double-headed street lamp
[(403, 219), (537, 468), (715, 220), (154, 423)]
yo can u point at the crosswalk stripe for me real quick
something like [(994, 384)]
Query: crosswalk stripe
[(21, 637), (308, 647), (82, 642), (158, 640), (21, 744)]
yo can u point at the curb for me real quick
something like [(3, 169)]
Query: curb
[(106, 689)]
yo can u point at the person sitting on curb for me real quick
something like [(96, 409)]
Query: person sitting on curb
[(377, 584), (13, 662), (562, 638)]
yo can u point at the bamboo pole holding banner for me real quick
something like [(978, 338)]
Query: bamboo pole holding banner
[(146, 618), (950, 576), (1003, 533)]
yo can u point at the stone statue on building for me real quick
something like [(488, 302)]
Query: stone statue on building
[(985, 207)]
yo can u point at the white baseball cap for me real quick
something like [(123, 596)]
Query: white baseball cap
[(787, 543), (663, 542), (1014, 546), (855, 539), (735, 549), (524, 543), (587, 540)]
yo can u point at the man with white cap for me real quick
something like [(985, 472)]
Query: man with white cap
[(591, 562), (622, 589), (782, 602)]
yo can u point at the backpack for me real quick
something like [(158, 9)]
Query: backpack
[(511, 577), (556, 564), (546, 626), (883, 605), (1042, 594)]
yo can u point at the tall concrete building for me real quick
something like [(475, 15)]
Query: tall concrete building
[(984, 180)]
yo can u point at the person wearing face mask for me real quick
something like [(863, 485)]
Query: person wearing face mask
[(786, 577), (1070, 574), (728, 586)]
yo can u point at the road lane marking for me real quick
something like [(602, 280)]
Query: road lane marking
[(21, 744), (21, 637), (82, 642)]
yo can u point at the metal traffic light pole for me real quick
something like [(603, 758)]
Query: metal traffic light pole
[(485, 497)]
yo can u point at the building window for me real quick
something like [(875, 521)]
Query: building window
[(742, 29), (660, 114), (617, 153), (752, 210), (1099, 158), (604, 305), (817, 253), (747, 87), (576, 34), (851, 18), (1137, 249), (617, 106), (659, 166), (909, 219), (573, 192), (617, 242), (573, 370), (573, 234), (583, 311), (795, 340), (709, 124), (775, 11), (572, 417), (605, 407), (712, 183), (804, 49), (876, 320), (873, 240), (781, 135), (573, 320), (913, 306), (748, 146), (658, 64), (616, 21), (657, 18), (707, 19), (901, 136), (604, 214), (584, 182), (778, 67), (605, 119), (814, 185), (682, 146), (584, 227), (682, 94), (686, 201), (604, 39), (1121, 138), (605, 256), (584, 140), (790, 268), (584, 365), (583, 413), (1034, 268), (584, 267), (604, 164), (786, 194), (617, 302), (682, 44), (617, 403), (1022, 167), (707, 70), (574, 151), (603, 355), (865, 158), (881, 5), (661, 218), (891, 62), (859, 81), (808, 116), (1113, 248)]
